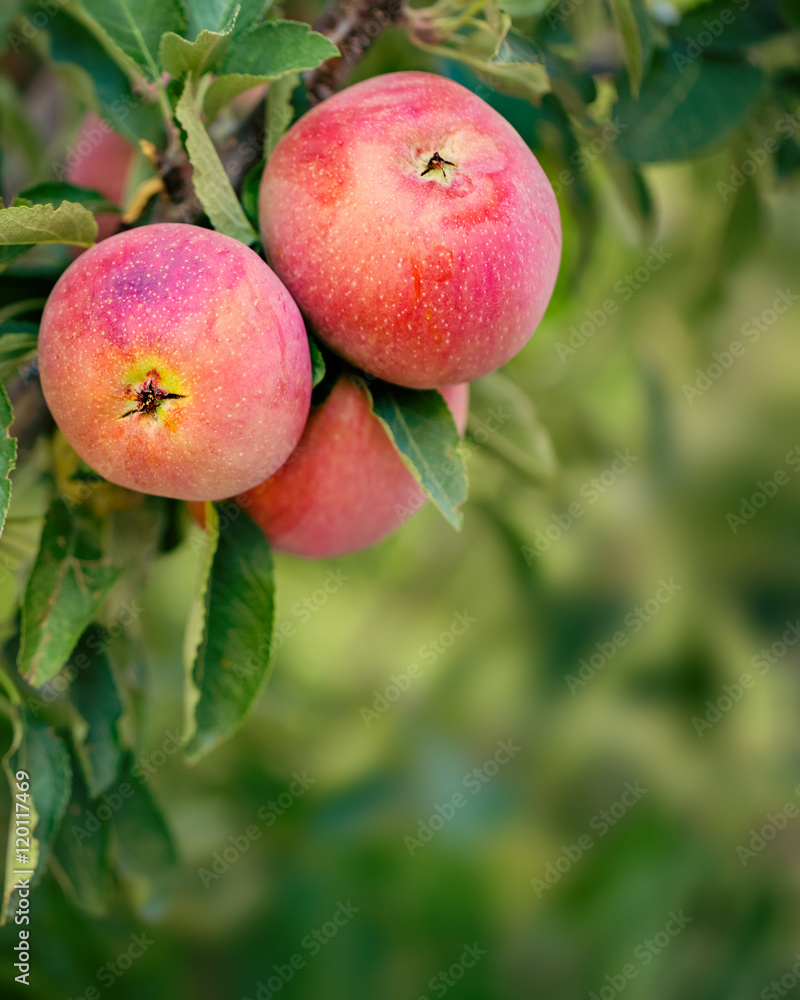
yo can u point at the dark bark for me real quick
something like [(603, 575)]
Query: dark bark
[(352, 25)]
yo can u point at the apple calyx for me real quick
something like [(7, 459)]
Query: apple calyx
[(437, 163), (149, 396)]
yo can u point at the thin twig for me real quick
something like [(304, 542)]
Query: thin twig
[(352, 25)]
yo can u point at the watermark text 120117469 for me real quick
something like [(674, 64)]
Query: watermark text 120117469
[(22, 859)]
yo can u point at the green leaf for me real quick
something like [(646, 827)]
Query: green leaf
[(750, 25), (212, 15), (83, 60), (69, 223), (790, 12), (249, 193), (16, 127), (94, 694), (136, 27), (205, 543), (15, 350), (787, 157), (489, 47), (44, 756), (54, 192), (8, 446), (68, 583), (632, 188), (744, 229), (11, 253), (224, 89), (233, 659), (10, 11), (143, 842), (179, 56), (504, 421), (525, 8), (12, 326), (625, 19), (317, 362), (422, 429), (278, 47), (80, 857), (684, 107), (210, 180), (264, 53), (519, 67), (280, 110)]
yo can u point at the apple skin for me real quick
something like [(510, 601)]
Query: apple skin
[(345, 487), (105, 168), (421, 280), (187, 312)]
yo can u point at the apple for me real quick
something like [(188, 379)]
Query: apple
[(101, 160), (176, 363), (346, 486), (414, 228)]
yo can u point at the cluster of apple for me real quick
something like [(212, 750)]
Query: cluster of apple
[(421, 240)]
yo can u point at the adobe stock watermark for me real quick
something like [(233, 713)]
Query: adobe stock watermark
[(473, 781), (633, 623), (767, 489), (785, 126), (751, 331), (439, 984), (305, 609), (783, 987), (31, 26), (112, 801), (563, 10), (368, 31), (588, 152), (97, 641), (643, 955), (480, 431), (625, 289), (600, 824), (712, 29), (310, 946), (760, 837), (9, 566), (82, 484), (251, 660), (732, 694), (429, 652), (92, 138), (109, 973), (268, 813), (591, 490)]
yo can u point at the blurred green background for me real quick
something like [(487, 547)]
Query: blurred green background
[(561, 883)]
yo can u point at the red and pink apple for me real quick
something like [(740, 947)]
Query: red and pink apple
[(414, 228), (101, 160), (346, 486), (176, 363)]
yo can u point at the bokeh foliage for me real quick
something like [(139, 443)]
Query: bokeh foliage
[(670, 135)]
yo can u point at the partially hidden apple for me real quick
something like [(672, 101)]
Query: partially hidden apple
[(346, 486), (176, 363), (414, 228), (101, 160)]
